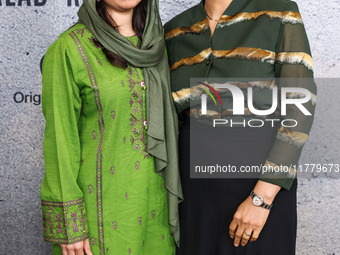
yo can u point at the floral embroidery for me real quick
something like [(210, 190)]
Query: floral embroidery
[(153, 213), (99, 61), (137, 42), (64, 222), (92, 41), (80, 31), (92, 241), (140, 219), (59, 221), (126, 196), (114, 225), (129, 251), (90, 189), (137, 165), (82, 162), (113, 170), (137, 137), (94, 134), (163, 237), (113, 114), (124, 139), (74, 218), (123, 84), (100, 142)]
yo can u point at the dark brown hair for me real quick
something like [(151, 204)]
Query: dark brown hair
[(138, 24)]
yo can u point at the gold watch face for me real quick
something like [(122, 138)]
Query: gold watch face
[(257, 200)]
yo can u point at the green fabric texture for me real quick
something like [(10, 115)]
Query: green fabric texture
[(162, 118), (100, 182), (261, 40)]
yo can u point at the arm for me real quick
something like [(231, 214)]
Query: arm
[(293, 60), (293, 68), (63, 208)]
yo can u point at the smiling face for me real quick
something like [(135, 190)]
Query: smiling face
[(122, 5)]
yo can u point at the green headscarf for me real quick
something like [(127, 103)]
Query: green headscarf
[(162, 132)]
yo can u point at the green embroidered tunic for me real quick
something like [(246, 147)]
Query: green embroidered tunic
[(261, 39), (99, 183)]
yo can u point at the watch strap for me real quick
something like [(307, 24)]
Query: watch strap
[(263, 205)]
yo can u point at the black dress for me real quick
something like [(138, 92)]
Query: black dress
[(209, 205)]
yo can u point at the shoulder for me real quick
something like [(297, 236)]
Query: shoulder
[(62, 48), (288, 10), (277, 5), (186, 19), (65, 41), (291, 6), (66, 37)]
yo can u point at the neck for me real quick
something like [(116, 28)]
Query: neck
[(124, 21), (215, 8)]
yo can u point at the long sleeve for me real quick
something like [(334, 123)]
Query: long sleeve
[(293, 68), (63, 208)]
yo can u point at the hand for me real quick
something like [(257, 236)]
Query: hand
[(77, 248), (247, 222), (249, 219)]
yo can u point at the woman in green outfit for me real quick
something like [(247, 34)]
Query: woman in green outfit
[(111, 183)]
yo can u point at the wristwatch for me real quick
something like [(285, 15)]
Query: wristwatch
[(258, 201)]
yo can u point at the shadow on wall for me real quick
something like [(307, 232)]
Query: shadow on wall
[(41, 62)]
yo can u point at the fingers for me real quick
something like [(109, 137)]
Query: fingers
[(63, 248), (241, 231), (73, 249), (232, 228), (246, 236), (79, 252), (87, 247), (239, 235), (78, 248), (255, 235)]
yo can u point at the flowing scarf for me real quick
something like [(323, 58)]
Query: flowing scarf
[(162, 132)]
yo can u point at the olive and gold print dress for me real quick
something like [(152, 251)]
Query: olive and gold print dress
[(99, 182), (264, 40)]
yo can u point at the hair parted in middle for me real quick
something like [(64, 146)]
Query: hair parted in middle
[(138, 24)]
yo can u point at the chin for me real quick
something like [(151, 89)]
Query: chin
[(122, 5), (129, 4)]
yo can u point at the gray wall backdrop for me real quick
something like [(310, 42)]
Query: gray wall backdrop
[(25, 34)]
